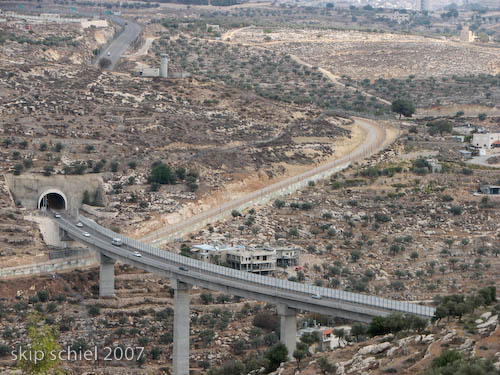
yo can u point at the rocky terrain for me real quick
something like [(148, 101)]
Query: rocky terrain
[(270, 94), (361, 55)]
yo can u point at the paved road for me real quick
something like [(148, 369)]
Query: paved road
[(334, 302), (117, 47)]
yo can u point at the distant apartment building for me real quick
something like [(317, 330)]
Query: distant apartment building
[(490, 189), (260, 261), (287, 256), (397, 17), (466, 35), (486, 140)]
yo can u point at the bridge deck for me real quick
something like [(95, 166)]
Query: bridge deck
[(201, 273)]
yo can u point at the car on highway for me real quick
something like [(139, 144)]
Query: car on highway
[(116, 242), (79, 225), (183, 269), (57, 215), (137, 254), (86, 234), (316, 296), (109, 53)]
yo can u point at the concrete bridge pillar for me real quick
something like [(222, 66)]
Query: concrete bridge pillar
[(288, 328), (181, 327), (106, 276)]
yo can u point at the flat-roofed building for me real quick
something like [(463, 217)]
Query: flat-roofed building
[(486, 140), (287, 256), (260, 261)]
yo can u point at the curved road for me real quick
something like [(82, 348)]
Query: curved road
[(120, 44), (375, 140)]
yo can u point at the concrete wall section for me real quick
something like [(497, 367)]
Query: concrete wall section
[(262, 199), (48, 267), (48, 228), (28, 189)]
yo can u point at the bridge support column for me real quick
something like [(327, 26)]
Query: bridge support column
[(288, 328), (106, 276), (181, 327)]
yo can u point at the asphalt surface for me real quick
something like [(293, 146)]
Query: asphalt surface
[(115, 49), (200, 273), (120, 44)]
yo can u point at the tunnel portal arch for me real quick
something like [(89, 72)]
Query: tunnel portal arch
[(56, 199)]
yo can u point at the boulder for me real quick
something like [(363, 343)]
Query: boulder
[(375, 348), (491, 321), (486, 315)]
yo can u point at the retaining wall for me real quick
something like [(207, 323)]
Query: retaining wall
[(48, 267)]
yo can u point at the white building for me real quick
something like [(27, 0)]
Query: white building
[(287, 256), (328, 340), (466, 35), (486, 140)]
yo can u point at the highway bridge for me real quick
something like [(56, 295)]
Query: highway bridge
[(184, 272)]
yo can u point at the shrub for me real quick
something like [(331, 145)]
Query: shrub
[(381, 218), (279, 203), (47, 170), (276, 355), (94, 311), (104, 63), (266, 321), (162, 174), (43, 295), (18, 168)]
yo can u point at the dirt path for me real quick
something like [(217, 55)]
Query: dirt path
[(336, 80), (376, 138), (229, 34), (332, 77), (368, 134), (143, 50)]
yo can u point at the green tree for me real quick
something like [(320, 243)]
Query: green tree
[(58, 147), (104, 63), (180, 173), (403, 108), (299, 355), (206, 298), (358, 329), (276, 355), (325, 366), (47, 170), (162, 174), (18, 168), (41, 339)]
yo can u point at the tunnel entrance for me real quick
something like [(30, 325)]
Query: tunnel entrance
[(53, 200)]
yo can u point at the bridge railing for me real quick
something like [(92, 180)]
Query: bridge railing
[(335, 294)]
